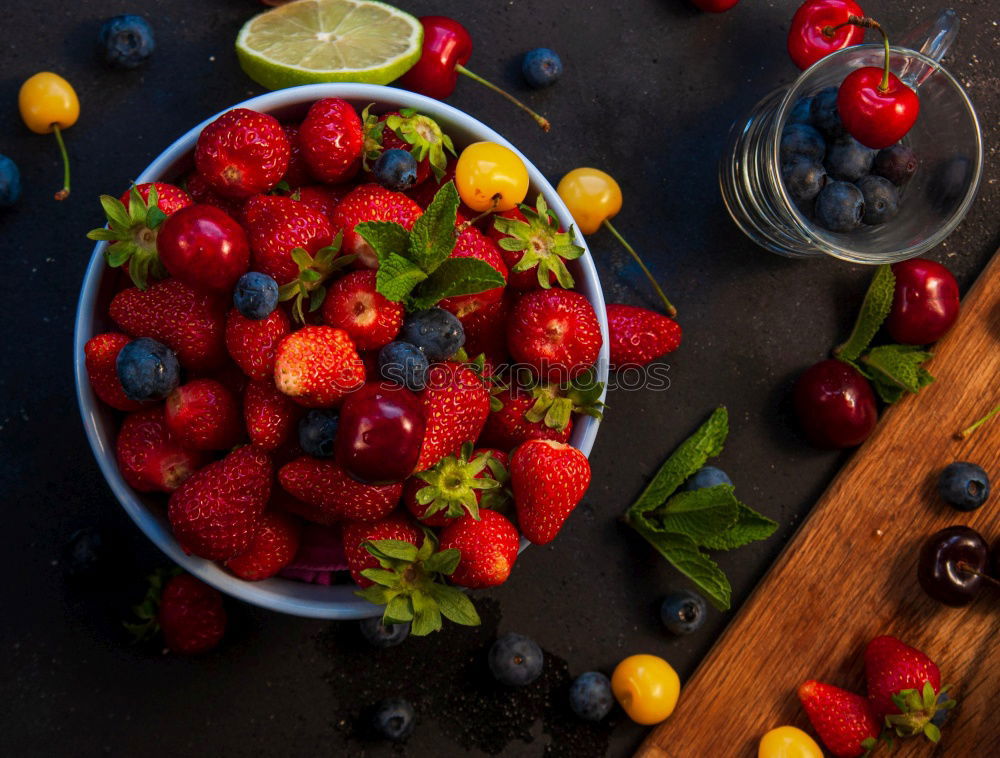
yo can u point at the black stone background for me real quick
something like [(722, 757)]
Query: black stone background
[(650, 89)]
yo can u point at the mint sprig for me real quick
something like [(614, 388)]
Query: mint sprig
[(874, 311), (896, 370)]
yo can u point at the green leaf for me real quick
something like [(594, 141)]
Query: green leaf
[(932, 732), (684, 555), (698, 514), (750, 527), (898, 366), (381, 576), (397, 550), (375, 594), (397, 277), (874, 310), (385, 237), (102, 234), (444, 562), (456, 276), (426, 617), (154, 216), (433, 236), (455, 605), (398, 610), (115, 211)]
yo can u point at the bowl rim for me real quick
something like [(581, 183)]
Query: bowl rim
[(278, 594)]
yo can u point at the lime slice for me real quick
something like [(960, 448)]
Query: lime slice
[(310, 41)]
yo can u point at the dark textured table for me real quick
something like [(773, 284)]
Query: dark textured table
[(650, 89)]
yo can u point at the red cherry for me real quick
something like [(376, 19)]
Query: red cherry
[(714, 6), (807, 42), (204, 248), (447, 44), (925, 304), (380, 434), (835, 405), (875, 116)]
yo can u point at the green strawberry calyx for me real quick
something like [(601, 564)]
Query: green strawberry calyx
[(422, 133), (308, 289), (452, 485), (146, 613), (555, 403), (917, 710), (544, 247), (131, 235)]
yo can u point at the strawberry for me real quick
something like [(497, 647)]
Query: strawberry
[(149, 458), (242, 153), (843, 720), (507, 426), (100, 354), (277, 225), (191, 615), (169, 198), (324, 484), (353, 304), (451, 488), (555, 332), (204, 415), (188, 322), (534, 246), (456, 404), (488, 546), (549, 480), (398, 526), (214, 514), (423, 193), (472, 243), (229, 375), (317, 366), (321, 197), (273, 547), (639, 336), (253, 344), (486, 331), (371, 202), (271, 418), (314, 515), (407, 130), (297, 172), (201, 192), (331, 140), (498, 468)]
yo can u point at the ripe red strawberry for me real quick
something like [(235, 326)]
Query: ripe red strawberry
[(639, 336), (456, 485), (843, 720), (276, 225), (149, 458), (486, 332), (549, 480), (488, 546), (191, 615), (297, 172), (456, 404), (188, 322), (331, 140), (353, 304), (321, 197), (229, 375), (204, 415), (317, 366), (424, 192), (214, 514), (398, 526), (273, 547), (201, 192), (271, 418), (326, 485), (534, 246), (371, 202), (472, 243), (169, 198), (242, 153), (100, 354), (507, 427), (555, 332), (253, 344)]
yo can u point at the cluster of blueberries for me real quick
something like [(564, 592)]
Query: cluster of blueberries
[(833, 178)]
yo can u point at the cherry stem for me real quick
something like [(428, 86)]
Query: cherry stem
[(540, 120), (494, 202), (866, 22), (965, 433), (64, 192), (671, 310), (966, 568)]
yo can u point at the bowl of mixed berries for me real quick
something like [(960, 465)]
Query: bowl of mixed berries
[(340, 352)]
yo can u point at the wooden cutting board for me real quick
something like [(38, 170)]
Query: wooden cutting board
[(849, 573)]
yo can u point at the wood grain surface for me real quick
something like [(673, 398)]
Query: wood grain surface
[(849, 573)]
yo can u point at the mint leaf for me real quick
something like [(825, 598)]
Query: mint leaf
[(698, 514), (385, 237), (455, 276), (874, 310), (750, 527), (684, 555), (397, 277), (898, 366), (433, 236)]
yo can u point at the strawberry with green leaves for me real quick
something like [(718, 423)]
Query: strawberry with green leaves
[(100, 356), (548, 479), (273, 547), (844, 721), (451, 488), (277, 225), (488, 546), (419, 135), (326, 486), (534, 247), (371, 203), (150, 459), (317, 366), (355, 534), (473, 244), (253, 343), (188, 612), (456, 404)]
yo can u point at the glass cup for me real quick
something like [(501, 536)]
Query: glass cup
[(946, 139)]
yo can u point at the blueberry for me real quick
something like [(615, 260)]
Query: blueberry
[(317, 430), (436, 331), (10, 182), (256, 295), (147, 369), (707, 476), (126, 41), (683, 612), (897, 164), (85, 555), (393, 719), (395, 169), (801, 112), (382, 635), (541, 67), (881, 199), (404, 364), (840, 207), (964, 486), (825, 115), (516, 660), (849, 160), (803, 179), (590, 696), (801, 141)]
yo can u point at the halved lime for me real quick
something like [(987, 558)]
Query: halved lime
[(310, 41)]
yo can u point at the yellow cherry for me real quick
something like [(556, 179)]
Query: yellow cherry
[(490, 177), (48, 103), (788, 742), (646, 687)]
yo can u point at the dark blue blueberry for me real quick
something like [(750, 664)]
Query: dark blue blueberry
[(383, 635), (848, 160), (801, 112), (840, 207), (590, 696), (317, 430), (801, 141), (683, 612), (393, 719), (964, 486), (881, 199), (404, 364), (897, 164), (516, 660), (256, 295), (147, 369), (438, 333), (85, 554), (803, 179), (541, 67), (825, 115), (126, 41), (10, 182), (395, 169), (707, 476)]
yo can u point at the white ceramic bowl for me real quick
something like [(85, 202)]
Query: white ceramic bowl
[(100, 422)]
